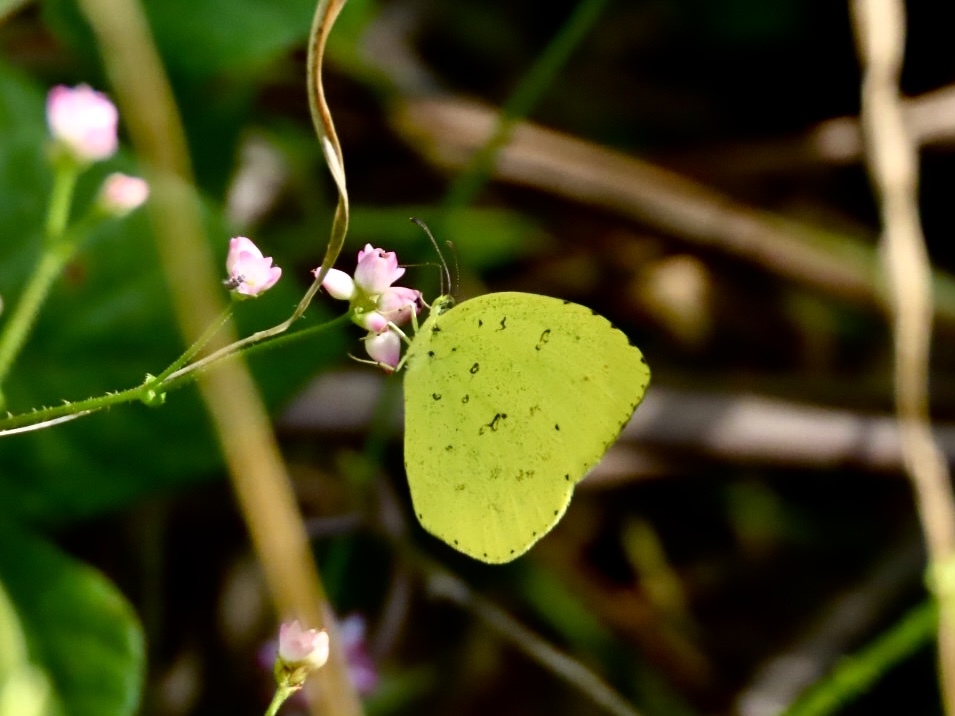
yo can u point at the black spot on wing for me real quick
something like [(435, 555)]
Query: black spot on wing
[(496, 422), (542, 341), (503, 324), (436, 396), (475, 368)]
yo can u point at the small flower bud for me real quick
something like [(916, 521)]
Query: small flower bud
[(301, 651), (338, 284), (82, 122), (384, 348), (121, 194)]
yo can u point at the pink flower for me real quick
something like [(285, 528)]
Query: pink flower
[(302, 647), (351, 631), (250, 273), (82, 121), (377, 270), (120, 194), (375, 304)]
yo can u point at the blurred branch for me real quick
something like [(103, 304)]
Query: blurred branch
[(768, 431), (450, 131), (446, 586), (528, 93), (893, 168), (847, 619), (732, 427), (443, 584), (855, 676), (9, 7), (259, 478), (930, 119)]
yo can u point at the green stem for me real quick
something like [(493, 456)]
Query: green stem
[(170, 380), (857, 674), (58, 213), (260, 336), (57, 251), (78, 408), (528, 93), (194, 349), (281, 694), (247, 346), (15, 333)]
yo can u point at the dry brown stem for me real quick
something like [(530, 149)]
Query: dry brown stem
[(893, 168)]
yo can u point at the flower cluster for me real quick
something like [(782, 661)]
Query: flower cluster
[(375, 304), (250, 273)]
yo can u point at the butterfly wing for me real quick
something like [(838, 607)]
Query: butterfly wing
[(510, 399)]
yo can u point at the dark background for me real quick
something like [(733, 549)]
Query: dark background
[(688, 571)]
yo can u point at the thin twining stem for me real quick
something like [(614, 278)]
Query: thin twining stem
[(48, 417)]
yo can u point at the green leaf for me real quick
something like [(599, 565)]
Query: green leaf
[(78, 627), (203, 39), (24, 689), (8, 7), (106, 325)]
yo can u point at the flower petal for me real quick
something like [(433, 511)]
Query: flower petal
[(398, 303), (377, 269), (339, 285)]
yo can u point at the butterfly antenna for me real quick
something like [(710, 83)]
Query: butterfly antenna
[(446, 278), (457, 269)]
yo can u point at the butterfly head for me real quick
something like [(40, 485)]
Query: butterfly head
[(442, 304)]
